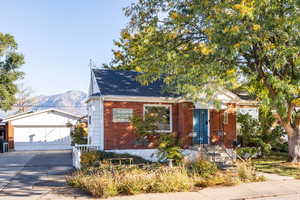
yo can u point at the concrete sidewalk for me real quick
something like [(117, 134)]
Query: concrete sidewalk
[(269, 190)]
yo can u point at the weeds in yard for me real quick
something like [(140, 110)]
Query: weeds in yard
[(129, 181), (203, 168), (108, 180), (247, 173)]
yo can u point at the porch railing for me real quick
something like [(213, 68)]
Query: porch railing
[(79, 149)]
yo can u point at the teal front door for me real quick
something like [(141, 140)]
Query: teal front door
[(200, 126)]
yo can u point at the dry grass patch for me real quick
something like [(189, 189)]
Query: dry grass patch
[(107, 181), (129, 181)]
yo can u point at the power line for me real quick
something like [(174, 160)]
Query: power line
[(29, 106)]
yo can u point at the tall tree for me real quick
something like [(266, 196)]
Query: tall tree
[(198, 45), (24, 98), (10, 62)]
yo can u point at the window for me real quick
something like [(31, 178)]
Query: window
[(90, 119), (225, 121), (251, 111), (163, 113), (122, 114)]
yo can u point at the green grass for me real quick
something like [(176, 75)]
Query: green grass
[(276, 163)]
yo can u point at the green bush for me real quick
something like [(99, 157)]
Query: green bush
[(261, 134), (203, 168), (89, 159), (168, 144), (79, 135), (281, 147), (247, 152), (168, 148)]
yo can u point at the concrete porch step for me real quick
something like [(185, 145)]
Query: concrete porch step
[(223, 157)]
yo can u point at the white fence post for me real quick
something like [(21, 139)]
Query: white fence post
[(77, 151)]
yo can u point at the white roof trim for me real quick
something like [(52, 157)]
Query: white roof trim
[(138, 99), (19, 116), (234, 98)]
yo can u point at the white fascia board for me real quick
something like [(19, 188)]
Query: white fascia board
[(248, 103), (139, 99), (20, 116)]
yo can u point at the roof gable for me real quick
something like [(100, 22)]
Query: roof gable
[(32, 113), (124, 83)]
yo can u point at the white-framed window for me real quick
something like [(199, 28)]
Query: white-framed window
[(122, 114), (253, 112), (225, 120), (163, 112)]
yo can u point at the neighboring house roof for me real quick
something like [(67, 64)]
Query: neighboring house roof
[(30, 113), (124, 83), (244, 95)]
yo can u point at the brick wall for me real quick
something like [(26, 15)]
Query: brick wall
[(185, 123), (216, 124), (10, 135), (120, 135)]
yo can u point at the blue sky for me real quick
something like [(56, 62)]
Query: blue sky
[(58, 37)]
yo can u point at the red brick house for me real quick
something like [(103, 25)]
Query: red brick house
[(115, 96)]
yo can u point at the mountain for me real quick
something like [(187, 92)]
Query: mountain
[(72, 101)]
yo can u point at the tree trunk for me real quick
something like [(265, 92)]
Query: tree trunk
[(294, 146)]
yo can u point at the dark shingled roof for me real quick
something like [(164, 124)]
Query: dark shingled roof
[(124, 83)]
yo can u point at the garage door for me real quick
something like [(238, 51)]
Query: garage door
[(42, 138)]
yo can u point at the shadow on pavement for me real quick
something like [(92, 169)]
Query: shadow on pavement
[(42, 173)]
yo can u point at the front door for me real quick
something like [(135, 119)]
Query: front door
[(200, 126)]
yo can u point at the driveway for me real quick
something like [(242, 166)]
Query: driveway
[(30, 174)]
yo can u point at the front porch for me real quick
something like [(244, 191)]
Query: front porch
[(214, 127)]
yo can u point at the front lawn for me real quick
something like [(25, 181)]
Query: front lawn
[(276, 163), (104, 179)]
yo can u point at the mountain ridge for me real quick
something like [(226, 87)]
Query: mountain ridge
[(72, 101)]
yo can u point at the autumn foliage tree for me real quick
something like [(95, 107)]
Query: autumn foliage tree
[(10, 62), (198, 45)]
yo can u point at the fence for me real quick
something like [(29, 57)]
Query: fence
[(78, 150)]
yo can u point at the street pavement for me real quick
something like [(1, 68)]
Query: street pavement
[(33, 174)]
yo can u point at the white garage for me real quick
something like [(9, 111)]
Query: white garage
[(42, 130)]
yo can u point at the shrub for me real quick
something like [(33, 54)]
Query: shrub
[(168, 148), (247, 173), (281, 147), (247, 152), (262, 134), (203, 168), (133, 183), (79, 134), (171, 180), (112, 181), (98, 186), (231, 181), (168, 144), (209, 181), (89, 159)]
